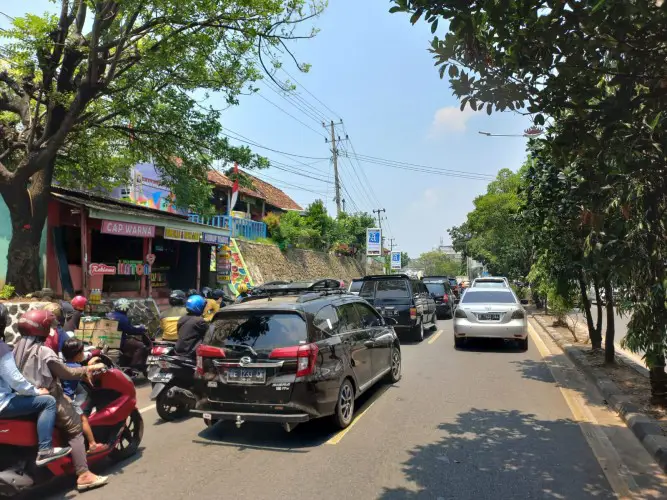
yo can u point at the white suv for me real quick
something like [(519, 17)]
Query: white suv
[(491, 282)]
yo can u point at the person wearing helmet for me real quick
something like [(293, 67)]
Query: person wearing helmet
[(20, 398), (78, 304), (57, 337), (169, 318), (192, 292), (133, 342), (43, 368), (206, 292), (213, 304), (191, 327), (243, 292)]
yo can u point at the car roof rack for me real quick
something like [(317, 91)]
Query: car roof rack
[(314, 295), (387, 276), (295, 288)]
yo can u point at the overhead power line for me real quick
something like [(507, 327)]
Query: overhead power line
[(291, 115), (257, 145), (310, 93)]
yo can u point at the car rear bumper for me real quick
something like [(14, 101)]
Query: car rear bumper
[(279, 418), (441, 309), (515, 329)]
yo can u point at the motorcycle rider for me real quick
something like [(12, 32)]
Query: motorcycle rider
[(78, 304), (169, 318), (213, 303), (192, 292), (42, 367), (242, 289), (20, 398), (191, 327), (133, 348)]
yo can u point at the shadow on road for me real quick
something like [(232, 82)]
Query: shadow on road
[(489, 454)]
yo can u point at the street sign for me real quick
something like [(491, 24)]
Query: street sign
[(396, 260), (373, 241)]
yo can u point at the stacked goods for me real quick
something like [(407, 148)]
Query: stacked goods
[(99, 332)]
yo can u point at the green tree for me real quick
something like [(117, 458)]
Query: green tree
[(90, 91), (437, 263)]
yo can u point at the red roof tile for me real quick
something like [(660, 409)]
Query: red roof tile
[(263, 190)]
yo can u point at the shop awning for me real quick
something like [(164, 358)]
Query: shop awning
[(110, 209)]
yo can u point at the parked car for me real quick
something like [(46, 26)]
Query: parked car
[(443, 295), (491, 282), (404, 299), (490, 313), (455, 287), (355, 286), (294, 357)]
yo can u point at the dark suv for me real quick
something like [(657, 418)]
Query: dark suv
[(292, 356), (404, 299), (440, 289)]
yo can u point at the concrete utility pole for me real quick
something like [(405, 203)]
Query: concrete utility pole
[(379, 212), (334, 152)]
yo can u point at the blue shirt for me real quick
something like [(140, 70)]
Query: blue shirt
[(69, 386), (125, 325), (12, 382)]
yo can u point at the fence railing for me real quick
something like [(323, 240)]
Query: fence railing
[(239, 228)]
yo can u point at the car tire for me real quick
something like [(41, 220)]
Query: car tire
[(344, 412), (395, 365), (418, 332), (523, 344), (459, 342)]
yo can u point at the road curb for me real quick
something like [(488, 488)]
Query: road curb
[(644, 427)]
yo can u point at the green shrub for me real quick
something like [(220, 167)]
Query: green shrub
[(7, 292)]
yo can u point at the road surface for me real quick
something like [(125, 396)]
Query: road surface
[(485, 422)]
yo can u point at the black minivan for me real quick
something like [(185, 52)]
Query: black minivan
[(404, 299), (441, 290), (290, 358)]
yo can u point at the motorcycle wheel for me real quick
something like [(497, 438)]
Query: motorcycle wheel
[(130, 437), (169, 411)]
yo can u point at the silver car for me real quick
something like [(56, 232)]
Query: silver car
[(490, 313), (491, 282)]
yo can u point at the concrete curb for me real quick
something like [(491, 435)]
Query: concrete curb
[(645, 428)]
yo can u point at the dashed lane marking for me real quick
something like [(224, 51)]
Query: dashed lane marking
[(147, 408), (435, 337)]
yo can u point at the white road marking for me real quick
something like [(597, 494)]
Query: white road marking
[(147, 408)]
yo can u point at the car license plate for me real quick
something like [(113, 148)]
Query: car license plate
[(152, 360), (246, 375), (390, 312), (161, 377), (489, 317)]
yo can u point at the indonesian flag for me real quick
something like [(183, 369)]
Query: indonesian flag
[(235, 187)]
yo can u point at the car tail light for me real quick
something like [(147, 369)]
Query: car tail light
[(207, 351), (445, 298), (306, 356), (518, 314), (413, 313), (460, 313)]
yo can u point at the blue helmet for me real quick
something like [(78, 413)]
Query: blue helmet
[(195, 305)]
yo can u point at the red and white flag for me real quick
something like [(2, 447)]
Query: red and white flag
[(235, 187)]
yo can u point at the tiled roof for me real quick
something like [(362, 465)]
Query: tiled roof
[(219, 179), (263, 190)]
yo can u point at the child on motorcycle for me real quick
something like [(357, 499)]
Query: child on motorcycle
[(73, 352)]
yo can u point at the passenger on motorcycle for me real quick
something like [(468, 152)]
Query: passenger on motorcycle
[(78, 303), (136, 349), (242, 289), (42, 367), (169, 318), (213, 303), (20, 398), (192, 327), (58, 336)]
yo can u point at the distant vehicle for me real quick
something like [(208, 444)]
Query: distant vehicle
[(294, 355), (355, 286), (406, 300), (490, 313), (491, 282), (441, 290)]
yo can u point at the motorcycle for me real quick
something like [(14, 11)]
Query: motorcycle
[(115, 421), (174, 389), (160, 348)]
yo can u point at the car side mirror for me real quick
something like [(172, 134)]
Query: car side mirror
[(390, 321)]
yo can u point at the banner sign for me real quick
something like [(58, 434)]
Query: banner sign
[(373, 241), (133, 268), (171, 233), (128, 229), (98, 269), (214, 239), (396, 260)]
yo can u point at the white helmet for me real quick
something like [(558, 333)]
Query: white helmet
[(121, 305)]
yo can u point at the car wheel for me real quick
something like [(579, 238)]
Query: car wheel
[(459, 342), (394, 374), (344, 412), (418, 331), (523, 344)]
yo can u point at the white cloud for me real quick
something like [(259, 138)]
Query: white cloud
[(450, 119)]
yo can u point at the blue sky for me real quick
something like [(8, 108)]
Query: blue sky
[(373, 70)]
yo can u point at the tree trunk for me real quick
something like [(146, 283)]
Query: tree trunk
[(587, 307), (28, 206), (597, 343), (658, 379), (609, 348)]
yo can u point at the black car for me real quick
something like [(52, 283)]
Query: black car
[(404, 299), (292, 357), (441, 291)]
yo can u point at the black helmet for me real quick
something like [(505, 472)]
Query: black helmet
[(217, 294), (177, 298), (4, 319), (206, 292), (192, 292)]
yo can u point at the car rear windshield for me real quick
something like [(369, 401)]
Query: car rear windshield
[(262, 332), (391, 289), (436, 288), (355, 286), (498, 297), (490, 284)]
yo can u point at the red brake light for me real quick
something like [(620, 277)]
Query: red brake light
[(306, 356), (207, 351), (284, 352), (413, 313), (158, 351), (445, 298)]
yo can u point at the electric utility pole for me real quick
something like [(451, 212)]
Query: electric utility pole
[(334, 153), (379, 212)]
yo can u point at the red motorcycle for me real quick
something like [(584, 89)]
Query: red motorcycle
[(115, 421)]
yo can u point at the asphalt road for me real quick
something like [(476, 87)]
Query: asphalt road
[(486, 422)]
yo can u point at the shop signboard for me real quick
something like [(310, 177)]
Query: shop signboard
[(395, 260), (214, 239), (373, 241), (133, 268), (224, 264), (101, 269), (171, 233), (127, 229)]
